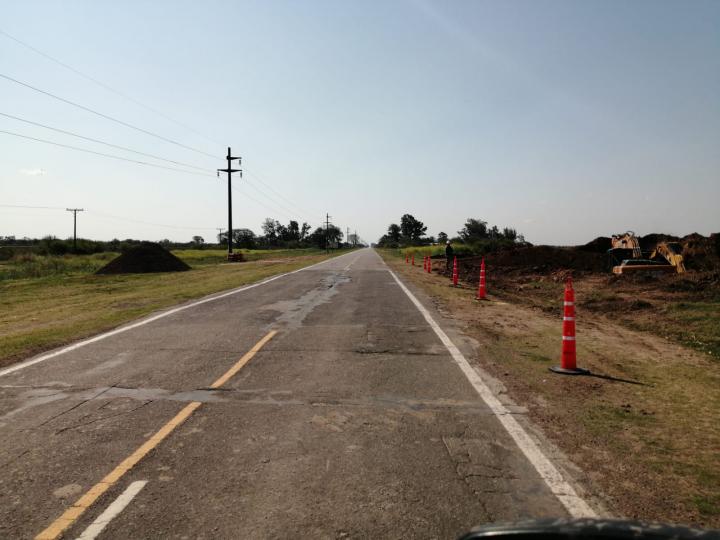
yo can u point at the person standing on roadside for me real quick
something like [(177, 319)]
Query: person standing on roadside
[(448, 255)]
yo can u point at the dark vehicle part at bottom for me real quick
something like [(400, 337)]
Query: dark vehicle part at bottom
[(588, 529)]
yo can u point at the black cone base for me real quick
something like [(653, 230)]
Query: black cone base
[(576, 371)]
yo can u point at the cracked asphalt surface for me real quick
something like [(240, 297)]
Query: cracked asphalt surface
[(352, 422)]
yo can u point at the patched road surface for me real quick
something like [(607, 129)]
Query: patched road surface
[(319, 405)]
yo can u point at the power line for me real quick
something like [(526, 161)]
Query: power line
[(91, 139), (103, 154), (141, 222), (33, 207), (102, 214), (255, 175), (106, 86), (125, 96), (116, 120), (268, 208), (285, 209)]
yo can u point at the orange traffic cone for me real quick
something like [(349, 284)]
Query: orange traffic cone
[(429, 265), (568, 359), (481, 286), (413, 259), (407, 259), (455, 272), (424, 263)]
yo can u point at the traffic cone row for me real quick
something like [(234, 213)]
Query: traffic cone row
[(568, 356)]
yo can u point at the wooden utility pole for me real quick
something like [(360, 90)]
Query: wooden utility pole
[(327, 230), (75, 211), (229, 172)]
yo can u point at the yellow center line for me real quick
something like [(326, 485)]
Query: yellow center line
[(244, 360), (72, 514)]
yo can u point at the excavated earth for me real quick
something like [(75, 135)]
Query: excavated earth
[(146, 258)]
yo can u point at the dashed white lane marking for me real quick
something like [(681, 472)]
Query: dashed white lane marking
[(351, 263), (573, 503), (117, 506), (99, 337)]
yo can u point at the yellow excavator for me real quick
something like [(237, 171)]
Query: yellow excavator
[(626, 256)]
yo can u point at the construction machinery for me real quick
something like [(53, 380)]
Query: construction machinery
[(626, 256)]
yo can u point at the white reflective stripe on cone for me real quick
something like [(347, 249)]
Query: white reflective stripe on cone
[(568, 318), (568, 303), (568, 338)]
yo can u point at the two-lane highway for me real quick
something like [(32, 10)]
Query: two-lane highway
[(327, 403)]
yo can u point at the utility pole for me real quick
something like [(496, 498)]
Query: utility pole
[(327, 228), (347, 236), (219, 230), (75, 211), (229, 172), (355, 239)]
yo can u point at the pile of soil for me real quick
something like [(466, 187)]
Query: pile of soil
[(701, 254), (600, 245), (143, 259), (542, 259)]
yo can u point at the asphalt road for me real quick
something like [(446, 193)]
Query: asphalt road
[(350, 420)]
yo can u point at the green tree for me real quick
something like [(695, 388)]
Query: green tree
[(242, 238), (474, 230), (412, 230)]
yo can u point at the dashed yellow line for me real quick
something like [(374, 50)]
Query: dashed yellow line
[(71, 515), (244, 360)]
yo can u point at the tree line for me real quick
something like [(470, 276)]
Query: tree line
[(476, 234), (275, 235)]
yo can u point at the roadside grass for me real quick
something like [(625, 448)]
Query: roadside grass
[(652, 448), (433, 251), (41, 313), (29, 265)]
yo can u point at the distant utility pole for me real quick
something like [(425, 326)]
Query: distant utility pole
[(229, 172), (219, 230), (327, 229), (75, 211), (355, 239)]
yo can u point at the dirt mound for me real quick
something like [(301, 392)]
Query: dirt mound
[(649, 241), (143, 259), (701, 252), (600, 245), (546, 259)]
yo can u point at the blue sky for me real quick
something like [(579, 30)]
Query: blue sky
[(566, 120)]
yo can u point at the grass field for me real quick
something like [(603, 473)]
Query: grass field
[(59, 299)]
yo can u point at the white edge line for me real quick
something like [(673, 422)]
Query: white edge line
[(575, 505), (120, 330), (117, 506)]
